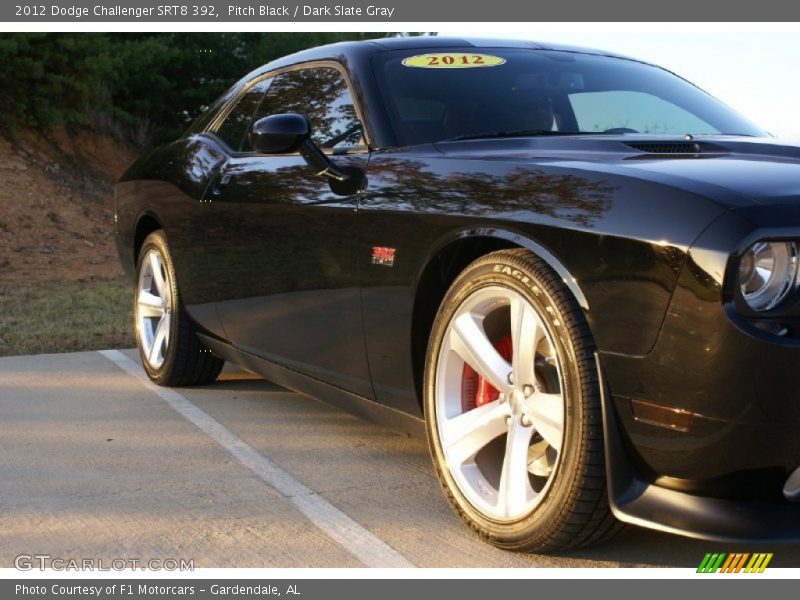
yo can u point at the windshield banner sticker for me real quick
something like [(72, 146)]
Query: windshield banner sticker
[(453, 60)]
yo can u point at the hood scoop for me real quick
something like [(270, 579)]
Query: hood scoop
[(667, 147), (688, 149)]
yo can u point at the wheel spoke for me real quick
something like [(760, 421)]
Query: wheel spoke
[(158, 277), (526, 332), (468, 432), (468, 340), (149, 305), (158, 340), (547, 413), (166, 294), (541, 458), (514, 484), (165, 322)]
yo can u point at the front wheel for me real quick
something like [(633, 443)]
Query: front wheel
[(169, 348), (513, 409)]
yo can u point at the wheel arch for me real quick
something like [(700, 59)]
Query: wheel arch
[(145, 225), (450, 256)]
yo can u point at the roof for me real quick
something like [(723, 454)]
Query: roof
[(340, 49), (427, 41)]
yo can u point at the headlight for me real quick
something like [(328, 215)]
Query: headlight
[(767, 273)]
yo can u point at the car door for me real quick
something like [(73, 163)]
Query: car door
[(202, 282), (284, 248)]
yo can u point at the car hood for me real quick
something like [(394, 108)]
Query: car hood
[(731, 170)]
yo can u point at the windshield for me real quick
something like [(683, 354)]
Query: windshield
[(434, 95)]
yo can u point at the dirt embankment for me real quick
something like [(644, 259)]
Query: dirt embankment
[(56, 206)]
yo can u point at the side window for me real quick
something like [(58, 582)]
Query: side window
[(320, 94), (633, 111), (234, 128)]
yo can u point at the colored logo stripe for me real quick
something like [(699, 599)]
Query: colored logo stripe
[(758, 563), (711, 563), (734, 563)]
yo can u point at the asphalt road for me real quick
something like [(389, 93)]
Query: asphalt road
[(96, 462)]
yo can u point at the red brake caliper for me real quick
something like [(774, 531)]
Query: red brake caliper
[(475, 389)]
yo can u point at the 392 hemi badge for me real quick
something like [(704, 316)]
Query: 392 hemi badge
[(383, 256)]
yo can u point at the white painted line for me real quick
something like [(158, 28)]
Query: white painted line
[(351, 536)]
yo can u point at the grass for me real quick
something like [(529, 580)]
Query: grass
[(65, 316)]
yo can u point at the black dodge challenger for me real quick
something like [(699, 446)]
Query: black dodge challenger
[(575, 271)]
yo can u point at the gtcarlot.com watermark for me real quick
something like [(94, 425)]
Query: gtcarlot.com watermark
[(43, 562)]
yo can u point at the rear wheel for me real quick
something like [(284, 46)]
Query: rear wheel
[(169, 348), (513, 409)]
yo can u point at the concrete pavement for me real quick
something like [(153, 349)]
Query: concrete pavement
[(94, 462)]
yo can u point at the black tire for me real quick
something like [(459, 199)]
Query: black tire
[(186, 361), (573, 511)]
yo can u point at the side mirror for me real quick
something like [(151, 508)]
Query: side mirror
[(290, 132), (279, 134)]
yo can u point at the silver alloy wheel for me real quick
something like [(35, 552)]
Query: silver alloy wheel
[(153, 301), (503, 481)]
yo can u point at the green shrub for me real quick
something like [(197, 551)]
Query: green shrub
[(128, 83)]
